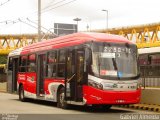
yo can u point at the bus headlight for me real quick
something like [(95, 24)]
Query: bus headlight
[(95, 84)]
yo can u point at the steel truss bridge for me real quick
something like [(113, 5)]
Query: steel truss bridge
[(12, 42), (9, 43), (147, 35)]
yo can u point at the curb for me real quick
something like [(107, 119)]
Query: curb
[(155, 108)]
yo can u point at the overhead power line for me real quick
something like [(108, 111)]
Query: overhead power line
[(51, 5), (58, 6), (48, 30), (12, 22), (29, 24), (52, 1), (7, 22), (1, 4), (47, 8)]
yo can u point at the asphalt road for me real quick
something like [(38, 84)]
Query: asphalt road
[(12, 109)]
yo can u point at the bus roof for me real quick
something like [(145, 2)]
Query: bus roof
[(73, 39), (149, 50), (15, 52)]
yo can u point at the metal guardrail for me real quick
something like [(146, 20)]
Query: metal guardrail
[(151, 82)]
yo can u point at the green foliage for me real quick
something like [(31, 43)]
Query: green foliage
[(3, 59)]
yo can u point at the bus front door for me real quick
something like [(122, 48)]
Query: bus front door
[(41, 61), (12, 82), (74, 75)]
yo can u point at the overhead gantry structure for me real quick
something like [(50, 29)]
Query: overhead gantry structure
[(12, 42), (9, 43), (147, 35)]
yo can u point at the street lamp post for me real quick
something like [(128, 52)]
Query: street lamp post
[(39, 20), (87, 27), (77, 19), (106, 17)]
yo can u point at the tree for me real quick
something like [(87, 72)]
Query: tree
[(3, 59)]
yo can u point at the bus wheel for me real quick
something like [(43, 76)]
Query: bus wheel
[(61, 101), (21, 94)]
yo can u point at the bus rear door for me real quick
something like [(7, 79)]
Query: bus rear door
[(41, 63)]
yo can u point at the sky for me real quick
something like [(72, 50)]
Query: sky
[(20, 16)]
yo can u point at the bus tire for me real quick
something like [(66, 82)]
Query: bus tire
[(60, 99), (21, 94)]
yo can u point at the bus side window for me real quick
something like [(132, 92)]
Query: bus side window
[(52, 64), (61, 63), (32, 63), (23, 63)]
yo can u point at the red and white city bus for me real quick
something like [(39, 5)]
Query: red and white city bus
[(82, 68)]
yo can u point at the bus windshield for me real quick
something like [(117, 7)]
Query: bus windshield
[(114, 61)]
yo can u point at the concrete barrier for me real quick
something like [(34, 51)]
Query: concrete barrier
[(3, 77), (150, 96), (3, 87)]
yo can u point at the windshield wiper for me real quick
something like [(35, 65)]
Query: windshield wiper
[(99, 64), (115, 66)]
